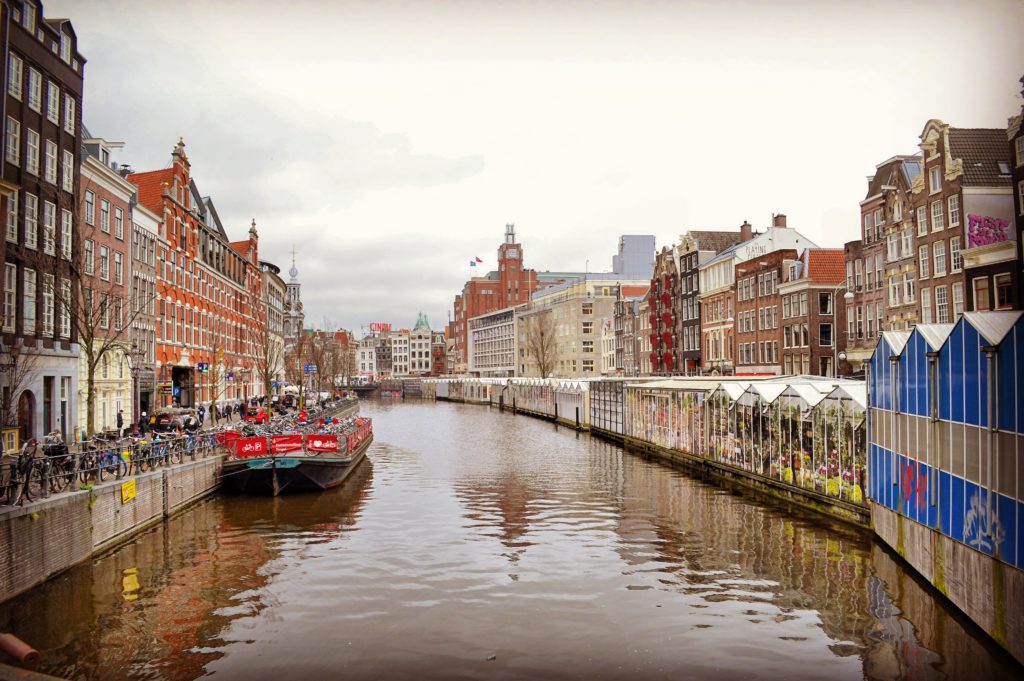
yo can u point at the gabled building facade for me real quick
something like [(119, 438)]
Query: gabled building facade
[(42, 86)]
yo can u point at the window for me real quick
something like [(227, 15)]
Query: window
[(858, 273), (88, 256), (894, 291), (13, 142), (50, 162), (69, 114), (939, 254), (1004, 292), (52, 102), (825, 303), (825, 335), (878, 269), (958, 300), (32, 152), (867, 227), (1020, 196), (956, 261), (15, 76), (31, 220), (588, 365), (908, 287), (35, 90), (12, 218), (897, 210), (803, 304), (941, 305), (587, 308), (892, 250), (871, 319), (28, 20), (49, 228), (588, 346), (880, 311), (10, 296), (937, 216), (65, 308), (118, 268), (906, 243), (922, 221), (981, 299), (926, 306), (935, 179), (68, 172), (90, 207), (105, 216), (29, 282), (879, 220), (65, 234), (48, 292), (924, 261), (954, 210), (119, 223), (1018, 145)]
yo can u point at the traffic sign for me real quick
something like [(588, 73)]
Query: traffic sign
[(309, 369)]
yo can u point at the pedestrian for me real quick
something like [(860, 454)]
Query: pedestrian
[(202, 414), (120, 423), (143, 425)]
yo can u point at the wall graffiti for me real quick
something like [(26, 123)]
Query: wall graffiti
[(983, 230)]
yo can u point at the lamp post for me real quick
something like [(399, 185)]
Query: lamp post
[(135, 356), (836, 355)]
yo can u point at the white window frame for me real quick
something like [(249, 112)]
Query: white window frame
[(12, 143), (958, 300), (65, 308), (10, 297), (15, 76), (52, 102), (104, 263), (935, 179), (89, 257), (119, 223), (49, 228), (909, 285), (35, 90), (12, 218), (956, 259), (939, 258), (923, 261), (50, 162), (69, 114), (31, 220), (48, 305), (105, 216), (32, 152), (938, 216), (922, 221), (90, 207), (66, 233), (941, 305), (28, 298), (926, 305), (68, 172), (953, 206), (118, 267)]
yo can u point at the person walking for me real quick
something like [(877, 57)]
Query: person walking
[(143, 425), (201, 413), (120, 423)]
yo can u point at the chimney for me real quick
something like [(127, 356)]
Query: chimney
[(125, 170), (779, 220), (746, 232)]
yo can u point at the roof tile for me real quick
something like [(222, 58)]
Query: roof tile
[(981, 150), (826, 265)]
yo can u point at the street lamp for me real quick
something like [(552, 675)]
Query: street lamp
[(135, 357), (836, 355)]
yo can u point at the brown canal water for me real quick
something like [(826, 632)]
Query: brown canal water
[(479, 545)]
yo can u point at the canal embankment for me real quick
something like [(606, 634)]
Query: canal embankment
[(46, 537)]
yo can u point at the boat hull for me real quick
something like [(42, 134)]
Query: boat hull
[(274, 475)]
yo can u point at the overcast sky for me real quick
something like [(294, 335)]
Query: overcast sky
[(392, 141)]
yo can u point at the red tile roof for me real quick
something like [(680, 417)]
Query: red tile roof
[(241, 248), (151, 187), (826, 265), (634, 291)]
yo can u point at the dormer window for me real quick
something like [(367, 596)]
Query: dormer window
[(1004, 167), (28, 19), (65, 48), (935, 179)]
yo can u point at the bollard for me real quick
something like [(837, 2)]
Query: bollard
[(577, 418), (19, 650)]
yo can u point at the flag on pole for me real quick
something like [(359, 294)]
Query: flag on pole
[(472, 264), (479, 260)]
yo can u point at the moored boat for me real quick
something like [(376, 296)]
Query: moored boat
[(283, 464)]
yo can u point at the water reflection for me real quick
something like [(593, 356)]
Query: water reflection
[(482, 545)]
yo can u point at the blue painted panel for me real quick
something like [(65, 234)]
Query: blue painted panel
[(1020, 535), (945, 501), (1006, 528), (1011, 350), (956, 508), (951, 358)]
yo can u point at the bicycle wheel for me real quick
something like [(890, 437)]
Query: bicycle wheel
[(174, 455), (120, 467), (139, 459), (103, 467), (34, 484), (58, 477), (85, 467)]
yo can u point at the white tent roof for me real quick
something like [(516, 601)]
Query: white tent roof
[(897, 340), (993, 325), (805, 393), (767, 391), (935, 334), (733, 390), (856, 393)]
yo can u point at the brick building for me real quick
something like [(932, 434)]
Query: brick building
[(42, 137), (512, 284), (814, 298), (901, 263), (664, 301), (696, 247), (1015, 135), (758, 302), (104, 311), (625, 325), (209, 292)]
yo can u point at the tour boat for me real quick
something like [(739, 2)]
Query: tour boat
[(282, 464)]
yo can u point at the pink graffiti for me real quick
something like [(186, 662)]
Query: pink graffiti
[(983, 230)]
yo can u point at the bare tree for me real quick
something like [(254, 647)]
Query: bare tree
[(541, 344), (269, 355), (217, 372), (21, 372), (296, 357)]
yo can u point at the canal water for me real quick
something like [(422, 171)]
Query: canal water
[(479, 545)]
